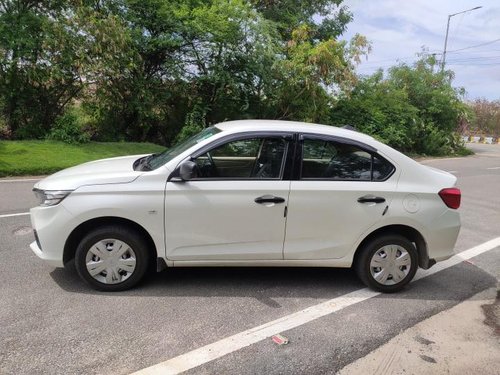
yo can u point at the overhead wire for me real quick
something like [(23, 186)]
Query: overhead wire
[(455, 60), (464, 63), (474, 58), (475, 46)]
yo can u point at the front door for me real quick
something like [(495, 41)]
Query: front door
[(234, 208)]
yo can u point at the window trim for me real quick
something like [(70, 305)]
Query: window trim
[(288, 137), (364, 147)]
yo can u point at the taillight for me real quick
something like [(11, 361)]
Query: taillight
[(451, 197)]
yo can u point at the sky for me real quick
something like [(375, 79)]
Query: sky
[(398, 30)]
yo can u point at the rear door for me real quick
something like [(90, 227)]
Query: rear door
[(342, 188)]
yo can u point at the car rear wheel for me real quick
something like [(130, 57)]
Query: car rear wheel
[(387, 263), (112, 258)]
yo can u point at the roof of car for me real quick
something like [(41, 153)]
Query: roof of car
[(294, 126)]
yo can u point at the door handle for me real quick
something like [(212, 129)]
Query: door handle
[(269, 199), (371, 199)]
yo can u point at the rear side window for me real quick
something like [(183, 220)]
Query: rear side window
[(332, 160), (382, 169)]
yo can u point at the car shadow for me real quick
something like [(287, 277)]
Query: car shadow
[(267, 284), (260, 283)]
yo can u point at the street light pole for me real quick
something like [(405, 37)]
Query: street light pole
[(447, 31)]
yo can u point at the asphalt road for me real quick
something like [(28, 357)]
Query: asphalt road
[(52, 323)]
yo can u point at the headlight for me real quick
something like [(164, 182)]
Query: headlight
[(51, 197)]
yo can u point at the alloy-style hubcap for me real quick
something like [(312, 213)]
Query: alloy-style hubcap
[(390, 264), (110, 261)]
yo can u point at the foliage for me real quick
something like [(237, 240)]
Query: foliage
[(378, 108), (486, 119), (312, 71), (49, 51), (195, 122), (161, 70), (143, 69), (44, 157), (414, 109), (74, 126)]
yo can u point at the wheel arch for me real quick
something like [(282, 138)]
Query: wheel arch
[(406, 231), (81, 230)]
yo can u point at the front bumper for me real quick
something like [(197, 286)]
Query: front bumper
[(50, 259), (52, 226)]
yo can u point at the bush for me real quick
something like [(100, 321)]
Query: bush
[(414, 109), (72, 127)]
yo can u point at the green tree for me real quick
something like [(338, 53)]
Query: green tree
[(49, 52), (311, 72), (440, 105), (225, 59), (143, 69), (415, 108), (375, 106), (195, 60), (326, 18)]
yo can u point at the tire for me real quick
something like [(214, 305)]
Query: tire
[(387, 263), (119, 253)]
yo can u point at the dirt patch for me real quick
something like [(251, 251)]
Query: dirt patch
[(22, 231), (492, 314)]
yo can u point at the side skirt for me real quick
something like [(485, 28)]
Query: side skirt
[(341, 263)]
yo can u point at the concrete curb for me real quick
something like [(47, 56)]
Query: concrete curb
[(481, 139)]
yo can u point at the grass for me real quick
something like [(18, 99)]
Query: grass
[(18, 158)]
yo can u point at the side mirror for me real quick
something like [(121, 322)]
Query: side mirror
[(188, 170)]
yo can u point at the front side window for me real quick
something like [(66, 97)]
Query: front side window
[(324, 159), (251, 158)]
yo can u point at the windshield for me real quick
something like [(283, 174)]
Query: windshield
[(158, 160)]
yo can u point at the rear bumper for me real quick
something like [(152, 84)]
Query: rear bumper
[(442, 237)]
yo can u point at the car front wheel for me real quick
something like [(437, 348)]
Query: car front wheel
[(112, 258), (387, 263)]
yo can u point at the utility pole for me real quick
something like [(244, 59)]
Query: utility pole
[(447, 31)]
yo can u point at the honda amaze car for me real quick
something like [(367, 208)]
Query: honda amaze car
[(250, 193)]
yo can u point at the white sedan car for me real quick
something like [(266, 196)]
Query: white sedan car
[(250, 193)]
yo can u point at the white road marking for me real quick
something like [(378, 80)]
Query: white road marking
[(19, 214), (458, 258), (493, 168), (251, 336), (22, 180), (452, 171)]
